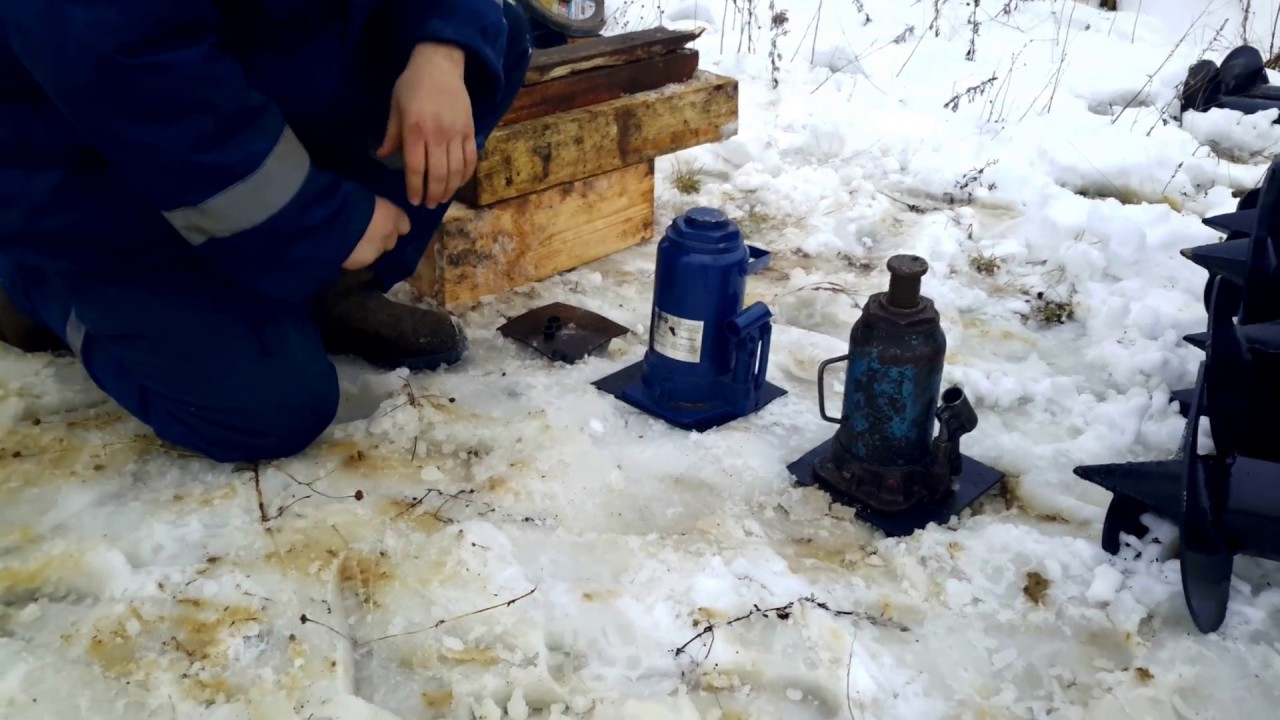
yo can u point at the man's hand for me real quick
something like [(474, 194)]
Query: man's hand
[(385, 228), (431, 124)]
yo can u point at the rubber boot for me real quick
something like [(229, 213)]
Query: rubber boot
[(356, 319), (19, 331)]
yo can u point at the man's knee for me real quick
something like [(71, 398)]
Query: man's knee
[(233, 403), (275, 410)]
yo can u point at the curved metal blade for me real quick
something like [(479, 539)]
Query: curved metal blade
[(1225, 371), (1206, 560), (1206, 586)]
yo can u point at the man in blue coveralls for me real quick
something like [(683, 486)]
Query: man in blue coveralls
[(205, 199)]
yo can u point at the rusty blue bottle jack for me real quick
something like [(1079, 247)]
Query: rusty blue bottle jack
[(885, 458), (708, 357), (892, 381)]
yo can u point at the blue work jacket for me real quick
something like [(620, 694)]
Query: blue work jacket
[(131, 130)]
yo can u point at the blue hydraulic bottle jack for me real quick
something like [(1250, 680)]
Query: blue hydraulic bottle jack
[(707, 356), (885, 458)]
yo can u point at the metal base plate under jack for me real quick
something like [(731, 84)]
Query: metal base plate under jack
[(627, 387), (974, 481), (563, 333)]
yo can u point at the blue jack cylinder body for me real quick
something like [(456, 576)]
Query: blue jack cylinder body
[(892, 383), (708, 357), (885, 453)]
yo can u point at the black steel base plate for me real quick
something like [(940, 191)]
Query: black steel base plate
[(974, 481), (563, 333), (700, 421)]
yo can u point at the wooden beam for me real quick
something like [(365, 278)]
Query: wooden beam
[(551, 63), (488, 251), (601, 85), (530, 156)]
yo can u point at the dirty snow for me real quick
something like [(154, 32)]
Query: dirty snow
[(526, 547)]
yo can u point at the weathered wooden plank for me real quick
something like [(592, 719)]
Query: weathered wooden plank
[(601, 85), (546, 151), (551, 63), (487, 251)]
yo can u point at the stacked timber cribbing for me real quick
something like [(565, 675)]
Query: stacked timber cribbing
[(567, 178)]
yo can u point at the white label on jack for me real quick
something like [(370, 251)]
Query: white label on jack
[(676, 337)]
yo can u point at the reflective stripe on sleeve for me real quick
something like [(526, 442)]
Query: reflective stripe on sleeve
[(250, 201)]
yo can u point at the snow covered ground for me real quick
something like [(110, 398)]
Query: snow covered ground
[(503, 541)]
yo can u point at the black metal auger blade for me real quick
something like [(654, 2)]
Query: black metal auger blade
[(1184, 398), (1262, 337), (1207, 562), (1238, 224), (1228, 259), (1241, 222), (1199, 340), (1258, 300), (1156, 485), (1137, 488), (1124, 517), (1226, 374), (1206, 587)]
